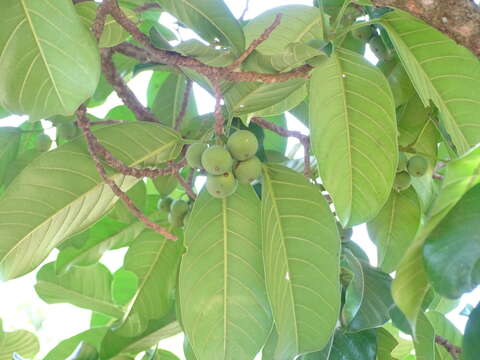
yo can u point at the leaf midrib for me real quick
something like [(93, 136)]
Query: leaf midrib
[(42, 54)]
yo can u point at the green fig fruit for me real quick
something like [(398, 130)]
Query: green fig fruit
[(402, 181), (165, 204), (417, 166), (402, 162), (216, 160), (175, 221), (165, 184), (379, 49), (194, 154), (43, 143), (363, 33), (247, 171), (179, 208), (221, 186), (67, 130), (243, 144)]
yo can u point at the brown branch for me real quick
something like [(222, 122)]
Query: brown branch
[(121, 88), (245, 10), (303, 139), (106, 122), (92, 143), (218, 114), (183, 109), (452, 349), (99, 22), (188, 188), (255, 43), (458, 19)]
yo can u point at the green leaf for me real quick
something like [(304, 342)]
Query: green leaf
[(424, 341), (113, 33), (169, 99), (21, 342), (9, 143), (351, 119), (471, 345), (377, 300), (223, 302), (386, 342), (301, 251), (355, 289), (138, 194), (113, 343), (105, 235), (61, 193), (207, 54), (286, 104), (66, 347), (248, 97), (395, 227), (124, 286), (358, 346), (452, 249), (154, 260), (160, 354), (211, 19), (442, 72), (273, 141), (299, 24), (56, 68), (85, 287), (324, 354), (444, 328)]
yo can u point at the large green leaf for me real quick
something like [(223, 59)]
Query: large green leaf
[(299, 24), (61, 193), (223, 301), (286, 104), (21, 342), (452, 250), (377, 300), (211, 19), (9, 142), (154, 260), (471, 345), (354, 136), (442, 72), (56, 68), (85, 287), (386, 342), (424, 341), (66, 347), (358, 346), (301, 252), (395, 227)]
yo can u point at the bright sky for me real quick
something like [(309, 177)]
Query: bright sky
[(20, 307)]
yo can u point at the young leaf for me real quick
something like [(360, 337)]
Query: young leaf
[(154, 260), (301, 251), (60, 192), (353, 133), (211, 19), (299, 24), (395, 227), (424, 341), (452, 249), (85, 287), (377, 300), (471, 345), (21, 342), (56, 68), (442, 72), (223, 302)]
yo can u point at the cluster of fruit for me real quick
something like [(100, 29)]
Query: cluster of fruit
[(177, 210), (227, 166), (368, 34), (416, 166)]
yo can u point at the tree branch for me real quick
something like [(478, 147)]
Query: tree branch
[(452, 349), (121, 88), (458, 19), (183, 109), (92, 144)]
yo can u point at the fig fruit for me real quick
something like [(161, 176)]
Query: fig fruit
[(417, 166), (221, 186), (67, 130), (175, 221), (194, 154), (402, 181), (43, 143), (165, 204), (363, 33), (248, 170), (179, 208), (379, 49), (243, 144), (216, 160), (402, 162)]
